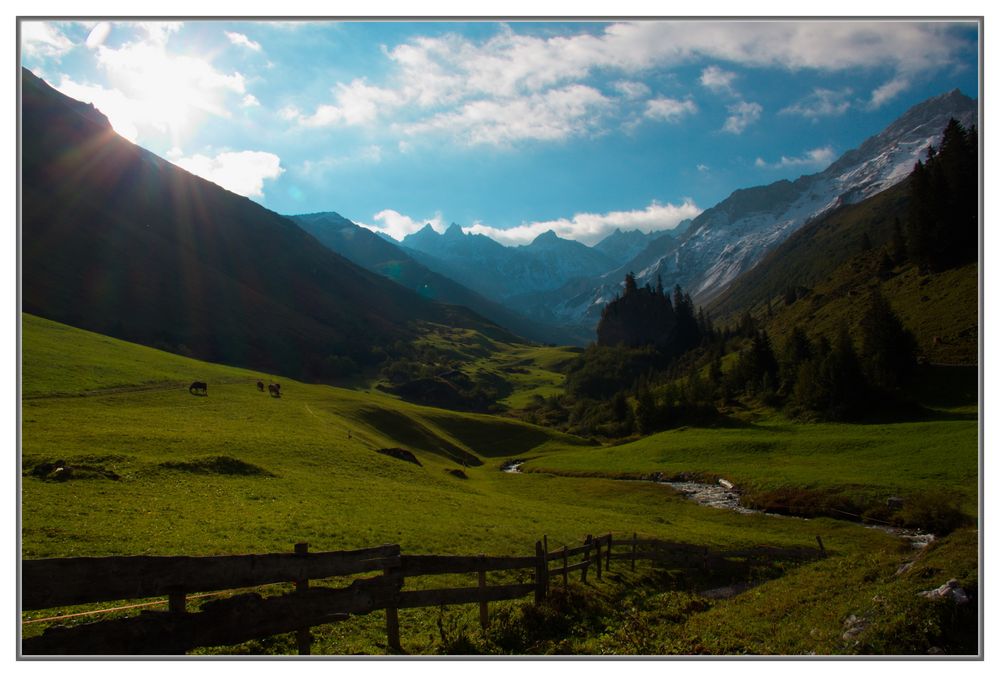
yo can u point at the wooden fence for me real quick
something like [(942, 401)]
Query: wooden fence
[(50, 583)]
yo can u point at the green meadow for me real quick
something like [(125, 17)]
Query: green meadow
[(159, 471)]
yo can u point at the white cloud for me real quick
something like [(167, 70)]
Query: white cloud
[(242, 172), (591, 228), (718, 80), (821, 103), (43, 39), (98, 35), (702, 167), (553, 115), (741, 116), (124, 113), (670, 110), (817, 157), (241, 40), (584, 227), (398, 226), (289, 113), (357, 103), (158, 32), (250, 101), (888, 92), (454, 82), (449, 67), (631, 89)]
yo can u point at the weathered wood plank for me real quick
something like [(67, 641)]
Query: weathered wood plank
[(571, 552), (571, 567), (409, 599), (49, 583), (423, 565), (223, 622)]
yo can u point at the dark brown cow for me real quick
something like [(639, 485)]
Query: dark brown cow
[(274, 389), (198, 387), (260, 386)]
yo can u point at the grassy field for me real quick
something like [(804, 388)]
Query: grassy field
[(159, 471), (902, 459)]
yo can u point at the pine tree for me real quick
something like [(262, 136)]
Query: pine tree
[(888, 349)]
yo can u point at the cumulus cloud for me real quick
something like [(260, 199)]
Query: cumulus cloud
[(821, 103), (250, 101), (357, 103), (43, 39), (450, 81), (717, 80), (670, 110), (887, 92), (241, 40), (242, 172), (631, 89), (398, 226), (584, 227), (553, 115), (124, 113), (817, 157), (590, 228), (741, 116)]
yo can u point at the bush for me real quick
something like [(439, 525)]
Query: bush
[(935, 510)]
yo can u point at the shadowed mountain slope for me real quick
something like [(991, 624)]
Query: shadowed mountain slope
[(119, 241)]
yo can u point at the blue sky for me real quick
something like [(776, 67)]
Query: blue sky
[(508, 129)]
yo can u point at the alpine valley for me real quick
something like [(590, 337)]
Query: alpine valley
[(252, 426)]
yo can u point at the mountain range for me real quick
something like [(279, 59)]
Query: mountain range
[(388, 258), (706, 256), (120, 241)]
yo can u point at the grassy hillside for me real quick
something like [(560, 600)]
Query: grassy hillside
[(155, 470), (865, 463)]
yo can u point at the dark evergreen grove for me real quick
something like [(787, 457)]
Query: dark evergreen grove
[(658, 364), (943, 224), (647, 317)]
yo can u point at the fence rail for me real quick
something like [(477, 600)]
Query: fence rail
[(49, 583)]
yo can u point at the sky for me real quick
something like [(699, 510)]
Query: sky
[(509, 129)]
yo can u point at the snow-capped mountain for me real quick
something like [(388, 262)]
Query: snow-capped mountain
[(731, 237)]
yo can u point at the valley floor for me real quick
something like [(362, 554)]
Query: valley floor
[(158, 471)]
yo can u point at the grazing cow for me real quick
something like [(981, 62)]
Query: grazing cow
[(274, 389), (197, 386), (260, 386)]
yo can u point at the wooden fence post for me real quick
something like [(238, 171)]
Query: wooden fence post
[(484, 607), (565, 570), (303, 637), (607, 561), (392, 614), (597, 556), (586, 558), (177, 603), (635, 537), (541, 572), (822, 550)]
